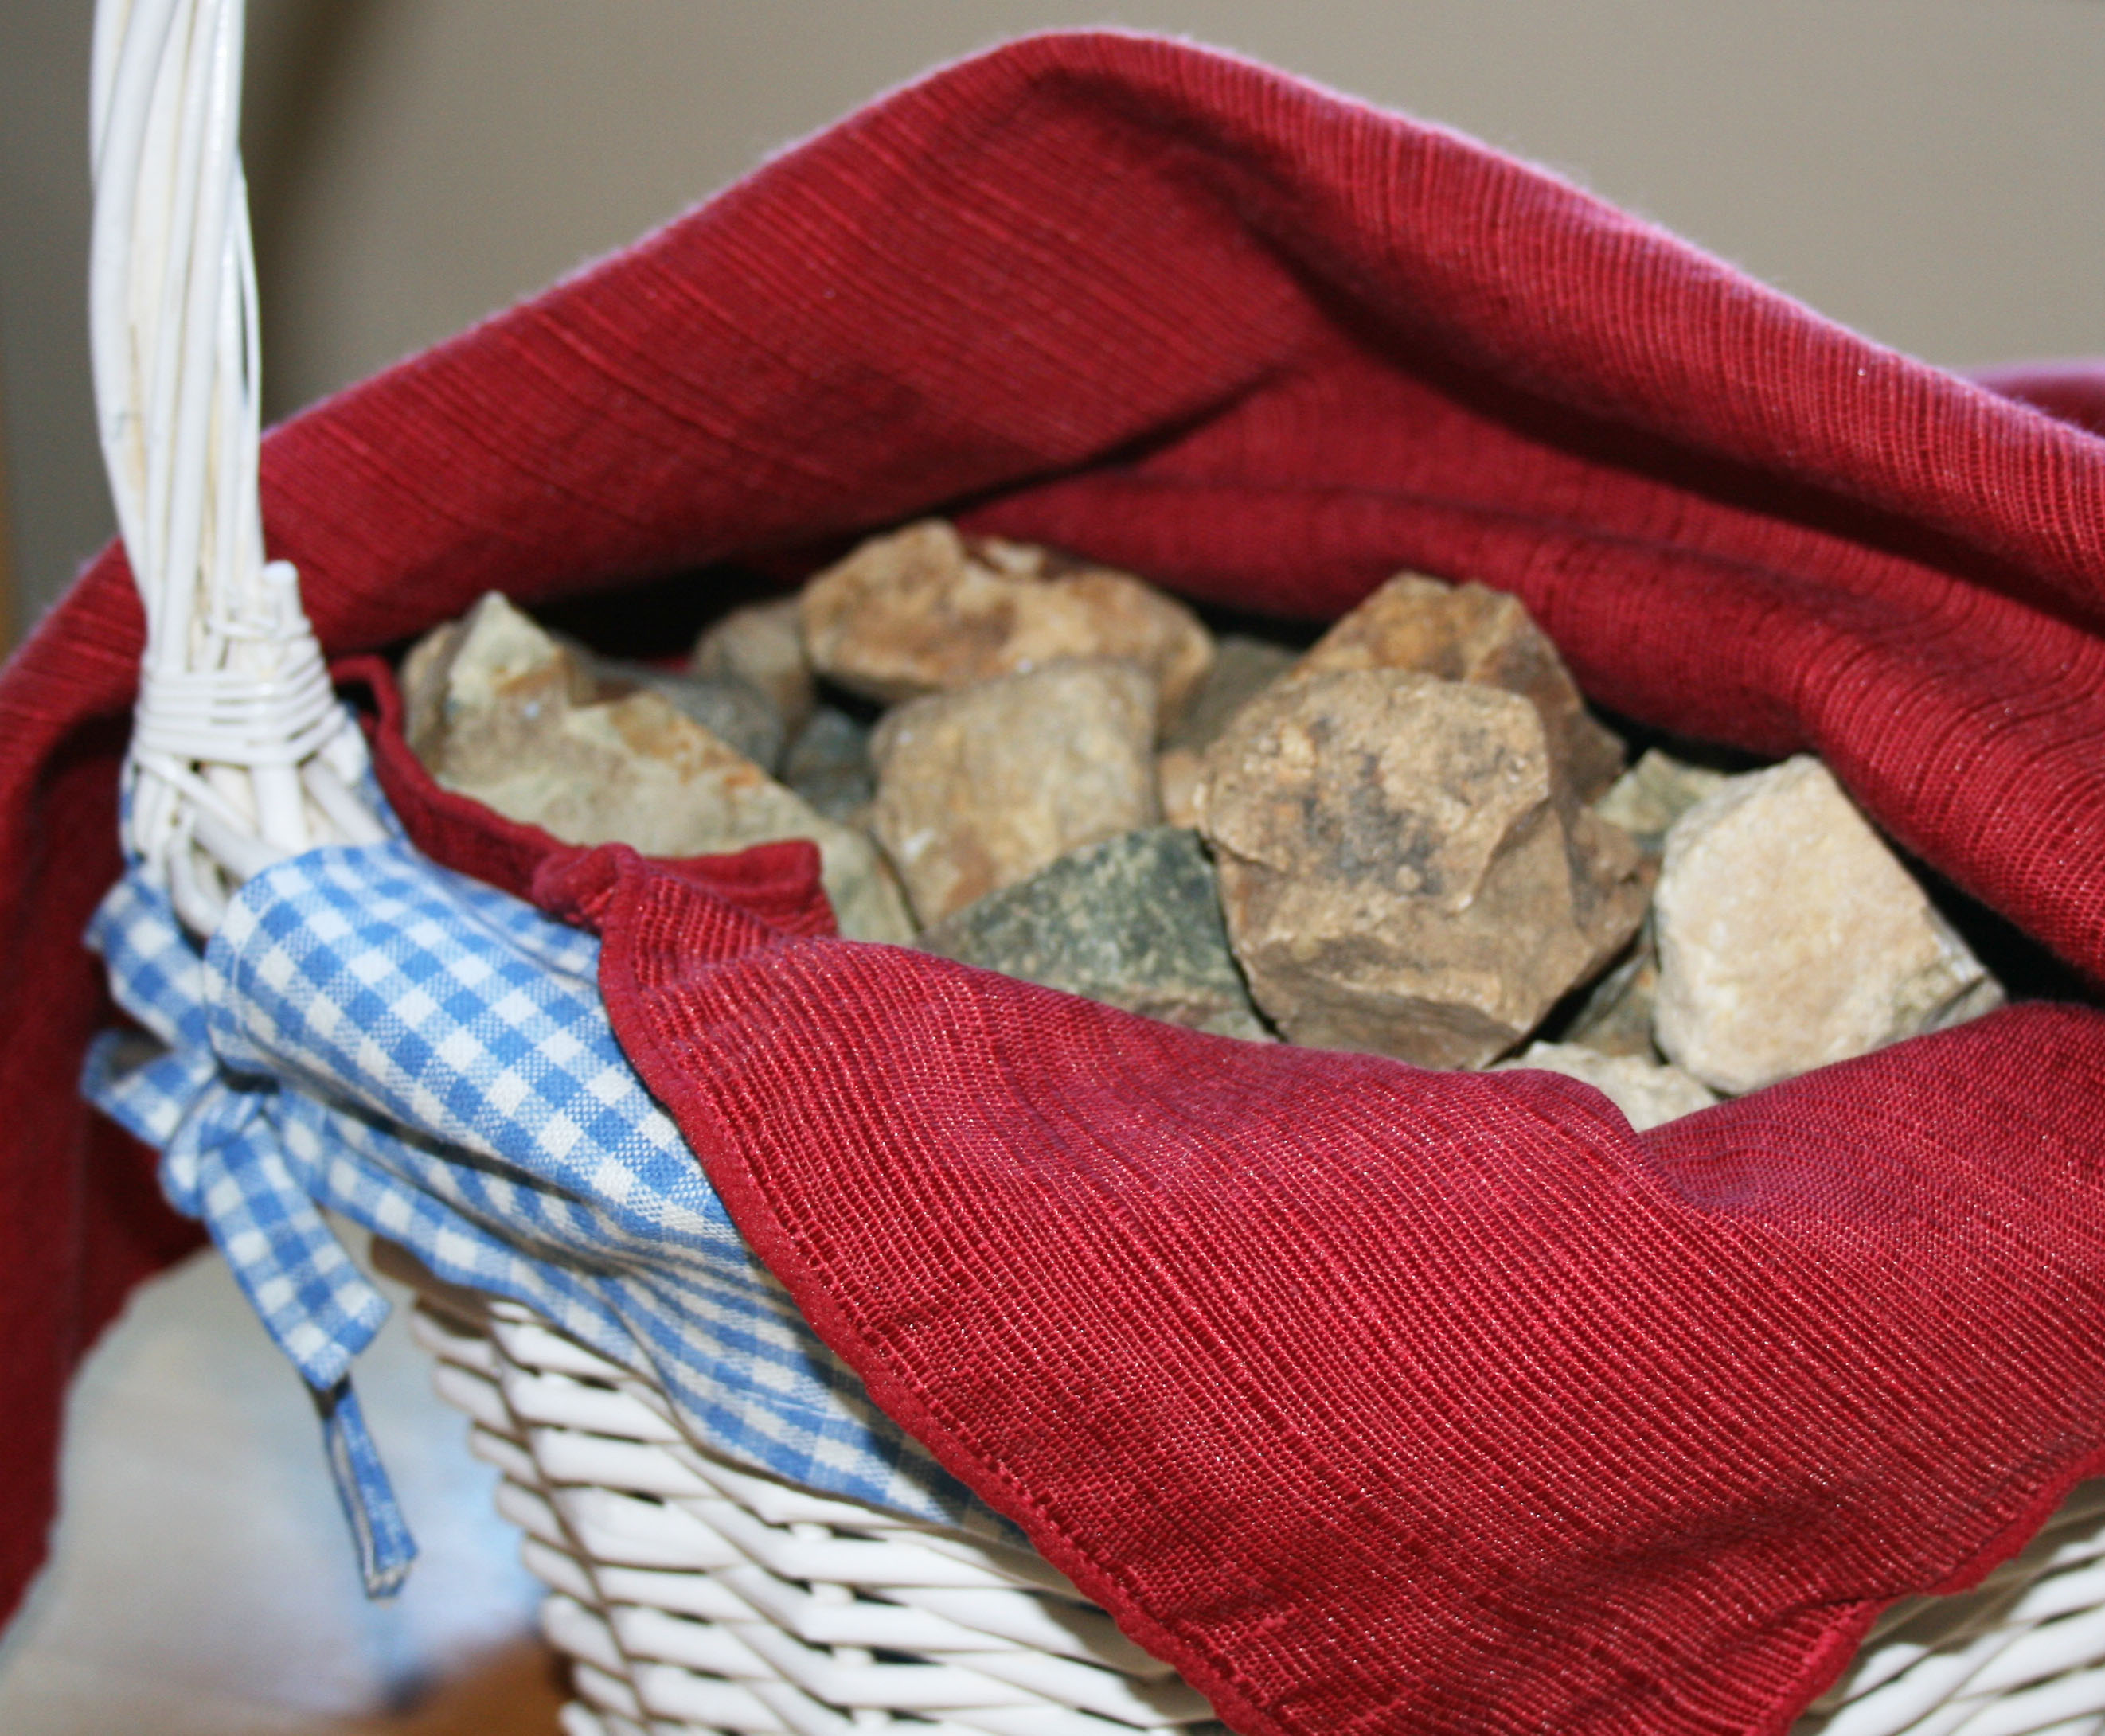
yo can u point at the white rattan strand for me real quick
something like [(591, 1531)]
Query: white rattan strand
[(692, 1595), (240, 753)]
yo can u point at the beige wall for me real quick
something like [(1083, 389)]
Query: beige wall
[(1930, 171)]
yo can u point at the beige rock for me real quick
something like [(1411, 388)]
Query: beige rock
[(921, 611), (500, 712), (1790, 936), (1647, 1092), (980, 788), (1470, 633), (762, 643), (1648, 798), (1396, 873)]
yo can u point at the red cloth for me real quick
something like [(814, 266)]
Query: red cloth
[(1381, 1400), (1176, 311)]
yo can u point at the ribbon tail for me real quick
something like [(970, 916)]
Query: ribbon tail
[(385, 1547)]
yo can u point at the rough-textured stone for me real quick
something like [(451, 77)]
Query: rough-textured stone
[(1178, 775), (1647, 1092), (1614, 1018), (979, 788), (1648, 798), (1243, 669), (1469, 633), (500, 712), (1790, 936), (829, 765), (1134, 921), (730, 708), (921, 611), (1396, 871), (763, 643)]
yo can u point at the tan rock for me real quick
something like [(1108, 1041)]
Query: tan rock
[(1790, 936), (762, 643), (1647, 1092), (921, 611), (1470, 633), (500, 712), (1178, 773), (1396, 873), (1648, 798), (980, 788)]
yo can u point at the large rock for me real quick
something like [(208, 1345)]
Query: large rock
[(1647, 1092), (1397, 871), (1790, 936), (922, 611), (980, 788), (1134, 921), (499, 710), (1614, 1017), (1470, 633), (763, 643)]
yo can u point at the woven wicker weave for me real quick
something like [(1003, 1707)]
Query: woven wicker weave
[(692, 1595)]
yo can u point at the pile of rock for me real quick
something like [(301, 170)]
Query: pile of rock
[(1411, 837)]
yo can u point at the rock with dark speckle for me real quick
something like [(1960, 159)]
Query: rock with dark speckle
[(1134, 921)]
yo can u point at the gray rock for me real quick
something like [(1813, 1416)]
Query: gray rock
[(1790, 936), (829, 765), (501, 711), (1616, 1016), (1647, 1092), (1134, 921), (762, 643), (1243, 669), (1648, 798)]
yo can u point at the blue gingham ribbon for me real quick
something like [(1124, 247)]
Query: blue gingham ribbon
[(371, 1034)]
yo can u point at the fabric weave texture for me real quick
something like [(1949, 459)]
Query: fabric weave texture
[(1176, 312)]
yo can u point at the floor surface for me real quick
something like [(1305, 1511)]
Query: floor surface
[(202, 1583)]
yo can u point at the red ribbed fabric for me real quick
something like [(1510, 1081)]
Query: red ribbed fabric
[(1381, 1400), (1175, 311)]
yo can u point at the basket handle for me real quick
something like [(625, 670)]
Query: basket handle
[(241, 753)]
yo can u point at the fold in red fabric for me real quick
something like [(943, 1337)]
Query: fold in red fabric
[(1177, 312), (1382, 1400)]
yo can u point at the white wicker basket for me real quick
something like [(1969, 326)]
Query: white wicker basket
[(691, 1595)]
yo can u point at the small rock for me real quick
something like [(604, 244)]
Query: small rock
[(499, 710), (1243, 669), (1647, 1092), (922, 612), (1616, 1016), (732, 709), (1790, 936), (763, 645), (1648, 798), (1178, 773), (1396, 873), (980, 788), (829, 765), (1134, 921), (1470, 633)]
